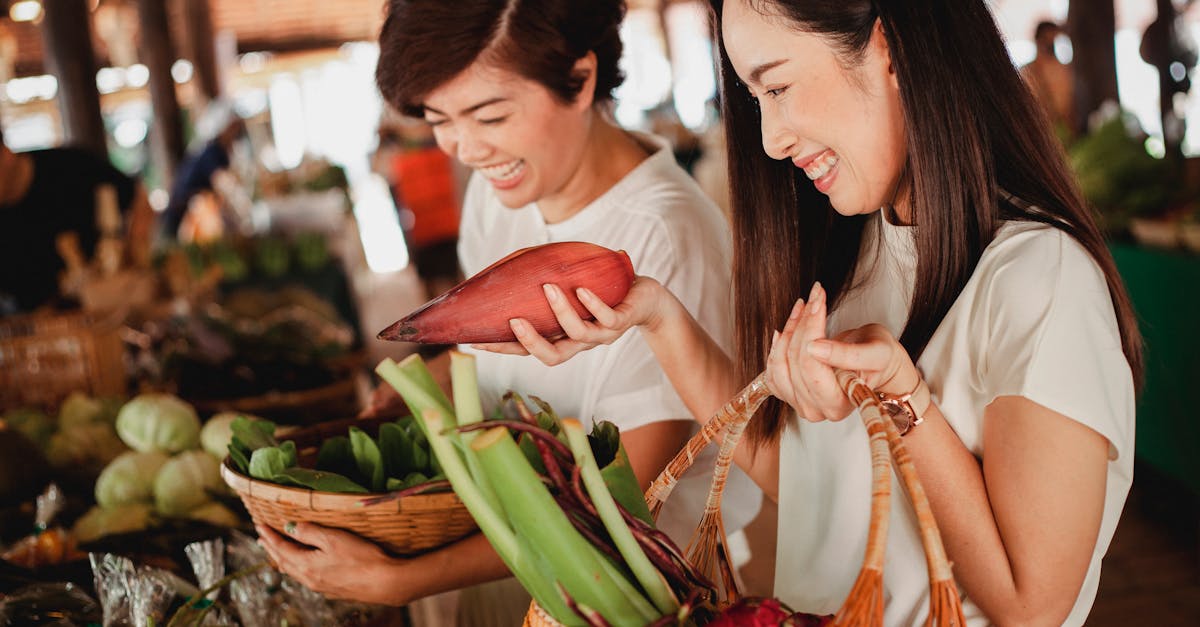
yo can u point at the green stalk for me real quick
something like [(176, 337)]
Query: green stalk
[(534, 514), (419, 393), (415, 384), (466, 391), (643, 569)]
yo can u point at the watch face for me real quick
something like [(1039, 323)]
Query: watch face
[(899, 415)]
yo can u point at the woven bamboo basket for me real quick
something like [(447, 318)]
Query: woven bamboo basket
[(404, 526), (43, 358), (864, 605)]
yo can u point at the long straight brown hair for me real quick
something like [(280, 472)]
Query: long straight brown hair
[(972, 129)]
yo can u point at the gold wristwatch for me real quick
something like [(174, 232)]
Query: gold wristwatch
[(900, 409)]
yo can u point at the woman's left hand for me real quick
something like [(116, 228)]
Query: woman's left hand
[(802, 361)]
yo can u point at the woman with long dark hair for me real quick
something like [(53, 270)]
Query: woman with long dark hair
[(519, 91), (890, 169)]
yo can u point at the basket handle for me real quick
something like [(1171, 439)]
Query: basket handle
[(738, 410), (945, 606)]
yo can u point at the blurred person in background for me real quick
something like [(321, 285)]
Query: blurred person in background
[(1052, 81), (425, 189), (45, 193), (198, 179)]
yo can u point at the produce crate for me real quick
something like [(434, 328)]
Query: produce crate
[(43, 358)]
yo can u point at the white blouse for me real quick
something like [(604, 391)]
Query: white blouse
[(1034, 320)]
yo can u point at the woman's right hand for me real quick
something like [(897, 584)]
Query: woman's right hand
[(643, 307), (335, 563)]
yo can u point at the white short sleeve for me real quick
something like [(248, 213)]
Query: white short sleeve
[(1052, 335)]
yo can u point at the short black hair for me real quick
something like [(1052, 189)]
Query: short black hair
[(425, 43)]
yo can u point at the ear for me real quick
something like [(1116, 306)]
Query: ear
[(586, 67), (879, 45)]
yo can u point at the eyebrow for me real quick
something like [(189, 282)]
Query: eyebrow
[(757, 72), (470, 109)]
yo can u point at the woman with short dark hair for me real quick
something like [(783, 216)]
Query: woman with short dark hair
[(519, 90)]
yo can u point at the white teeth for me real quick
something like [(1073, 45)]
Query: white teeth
[(821, 166), (503, 171)]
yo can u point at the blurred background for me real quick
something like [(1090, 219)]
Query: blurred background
[(327, 202)]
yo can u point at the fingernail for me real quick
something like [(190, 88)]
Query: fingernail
[(819, 348), (290, 527), (515, 325), (812, 293), (551, 293), (583, 292), (797, 309)]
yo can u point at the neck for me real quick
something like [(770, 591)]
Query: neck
[(609, 154)]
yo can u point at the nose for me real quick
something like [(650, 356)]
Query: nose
[(778, 140), (471, 149), (461, 144)]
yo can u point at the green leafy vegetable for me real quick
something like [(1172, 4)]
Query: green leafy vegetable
[(368, 459)]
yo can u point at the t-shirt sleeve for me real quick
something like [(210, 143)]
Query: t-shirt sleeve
[(1052, 337), (690, 258)]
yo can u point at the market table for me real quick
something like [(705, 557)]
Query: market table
[(1165, 288)]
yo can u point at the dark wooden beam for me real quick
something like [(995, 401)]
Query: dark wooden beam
[(1092, 27), (158, 55), (198, 24), (67, 38)]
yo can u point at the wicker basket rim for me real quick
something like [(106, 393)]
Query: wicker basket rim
[(331, 501)]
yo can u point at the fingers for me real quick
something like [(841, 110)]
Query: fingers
[(503, 348), (605, 316), (308, 534), (549, 353), (819, 379), (865, 357), (568, 318)]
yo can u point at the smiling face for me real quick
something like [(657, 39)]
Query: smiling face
[(839, 121), (512, 130)]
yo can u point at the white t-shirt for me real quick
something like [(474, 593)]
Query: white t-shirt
[(1034, 320), (673, 233)]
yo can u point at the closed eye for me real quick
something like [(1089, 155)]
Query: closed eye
[(492, 121)]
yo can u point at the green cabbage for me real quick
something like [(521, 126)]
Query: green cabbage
[(79, 409), (103, 521), (129, 479), (158, 422), (217, 433), (184, 483)]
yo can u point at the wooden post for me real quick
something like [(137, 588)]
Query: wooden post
[(159, 56), (1092, 27), (67, 40), (201, 43)]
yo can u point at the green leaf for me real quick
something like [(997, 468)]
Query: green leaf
[(624, 487), (240, 455), (337, 456), (395, 447), (289, 449), (367, 458), (266, 463), (410, 480), (253, 434), (318, 480), (604, 440)]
